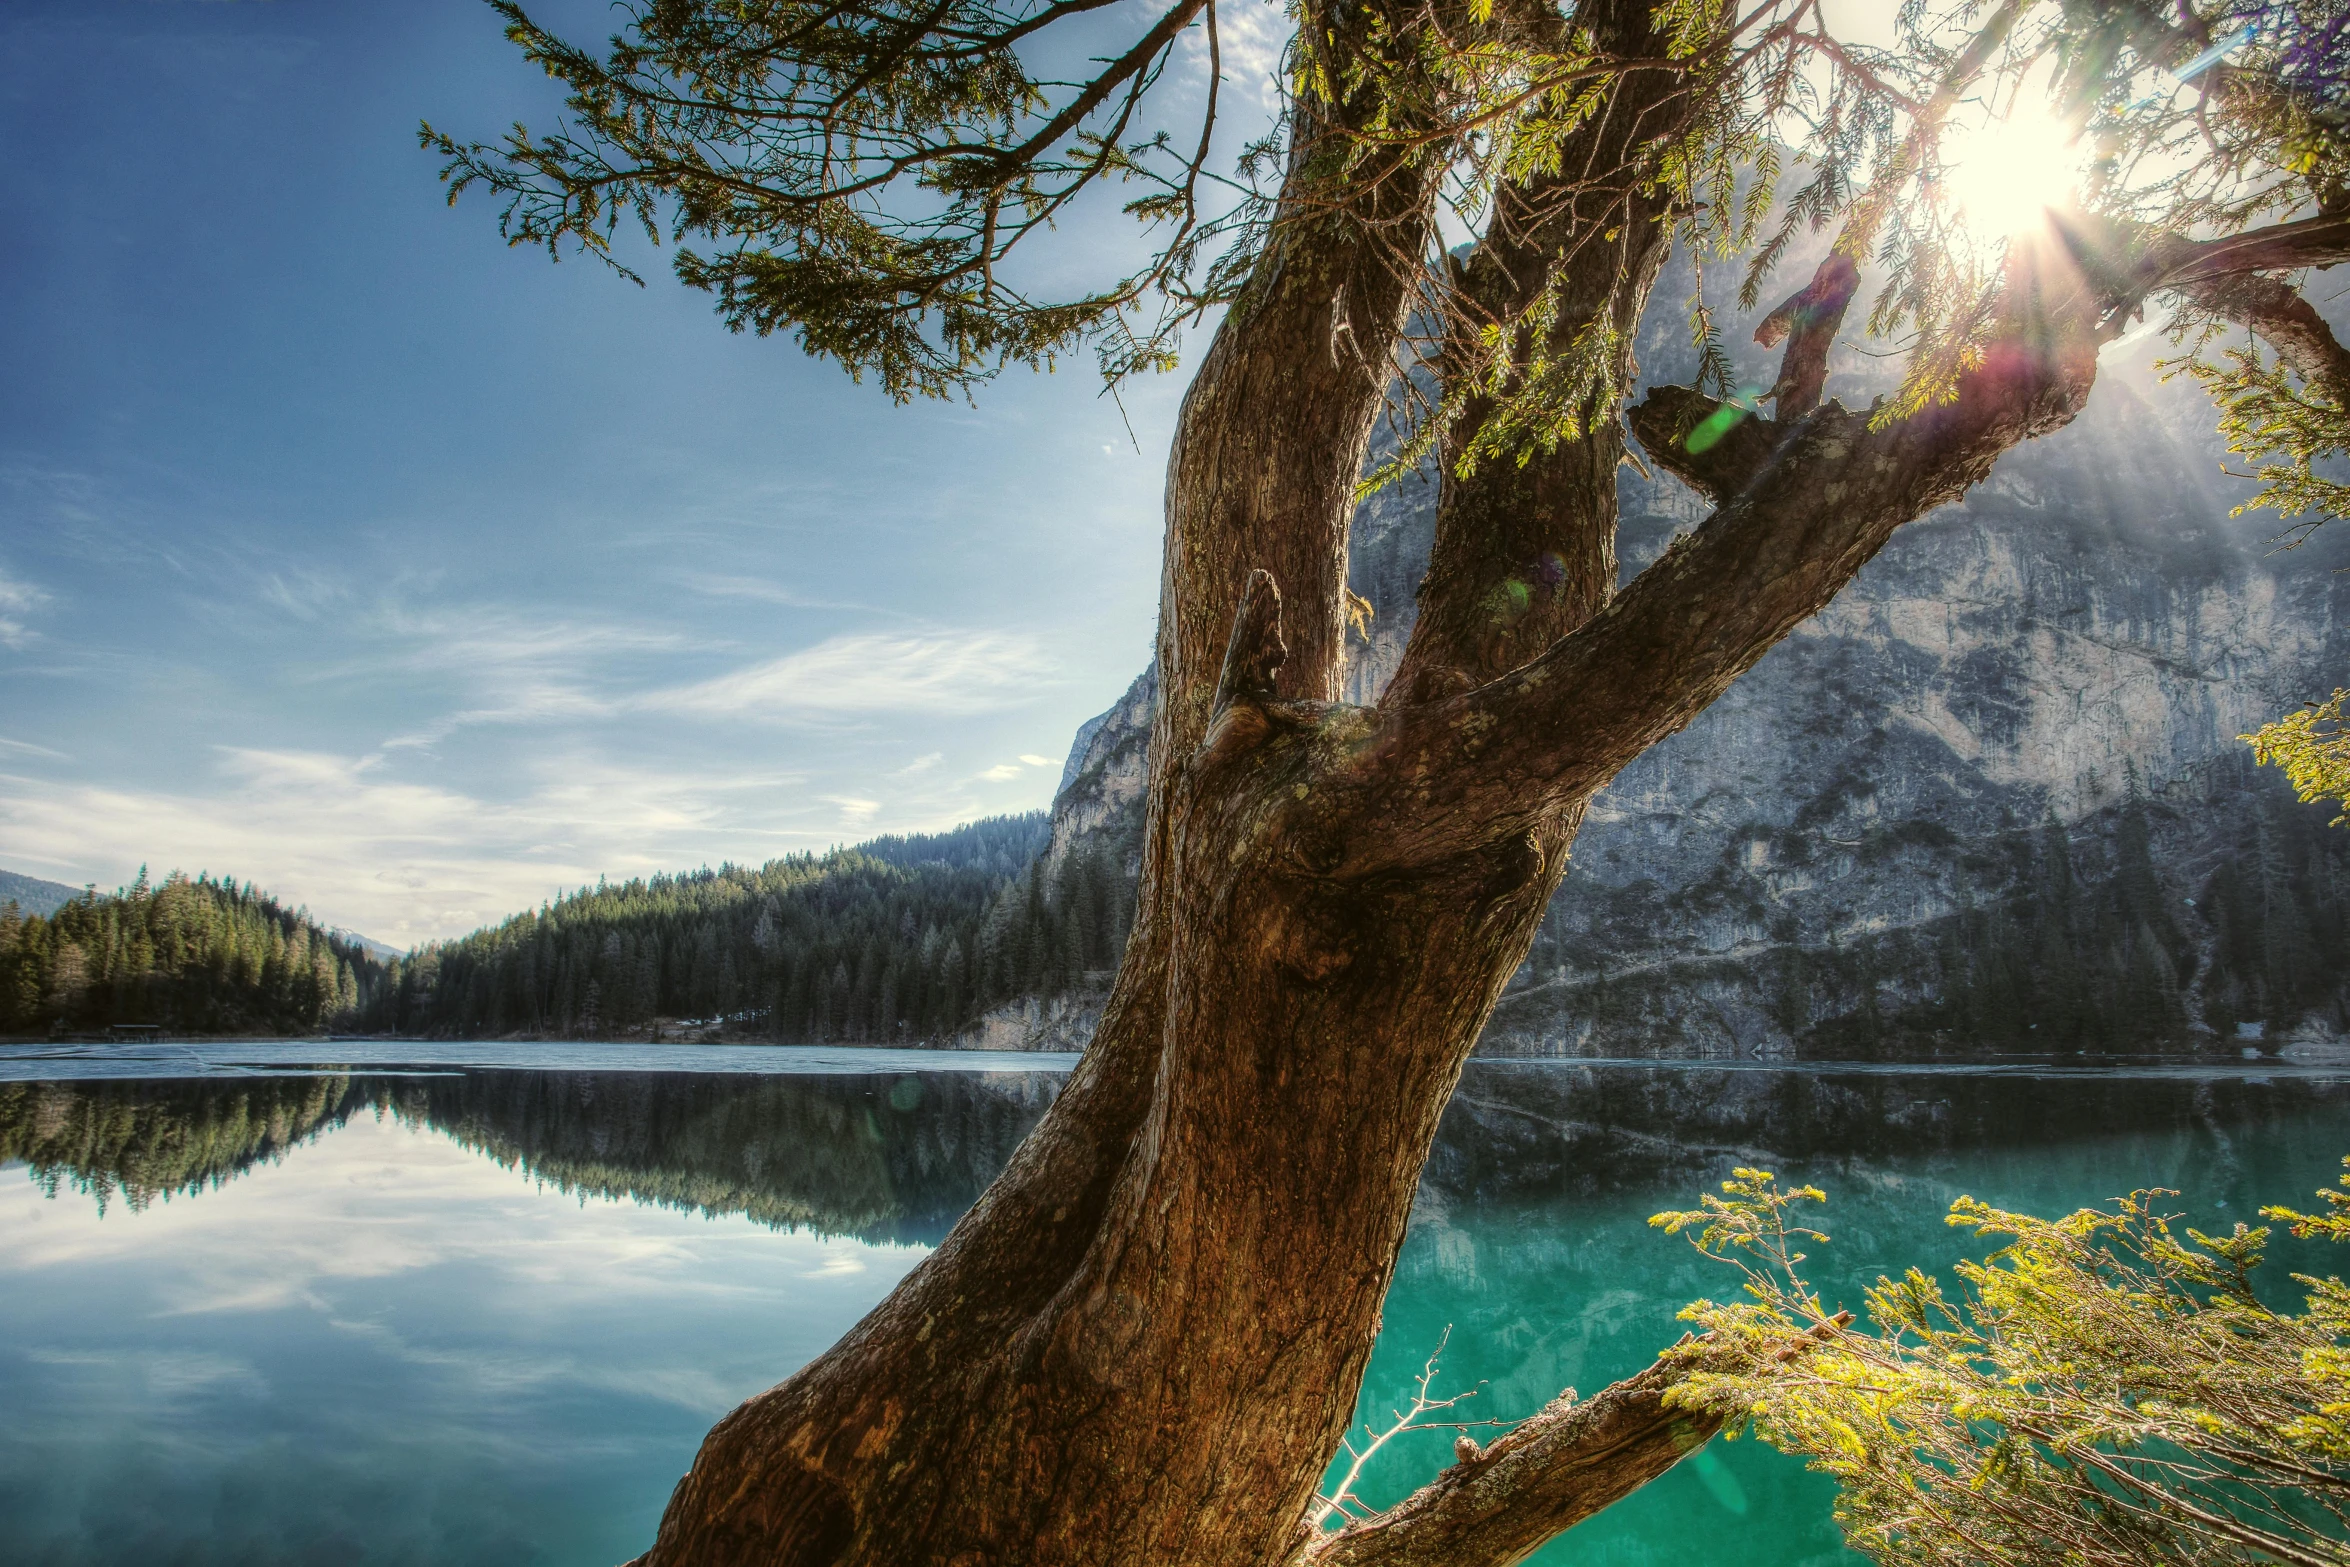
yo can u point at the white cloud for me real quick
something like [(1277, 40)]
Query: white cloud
[(1251, 40), (758, 589), (932, 672), (399, 860), (854, 813), (17, 599), (920, 764), (1038, 761), (1001, 771)]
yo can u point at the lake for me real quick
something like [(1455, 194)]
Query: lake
[(340, 1303)]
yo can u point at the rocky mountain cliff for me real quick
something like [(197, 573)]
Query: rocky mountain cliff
[(1990, 800)]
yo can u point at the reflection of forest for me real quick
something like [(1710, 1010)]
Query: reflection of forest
[(142, 1140), (899, 1158), (882, 1158)]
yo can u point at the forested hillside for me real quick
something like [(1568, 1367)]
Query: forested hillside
[(193, 955), (31, 895), (896, 940)]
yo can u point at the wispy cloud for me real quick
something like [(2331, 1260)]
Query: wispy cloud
[(511, 666), (722, 585), (401, 860), (304, 594), (919, 765), (855, 814), (1004, 772), (935, 672), (18, 598)]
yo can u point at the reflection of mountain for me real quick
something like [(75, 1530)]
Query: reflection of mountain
[(898, 1158), (881, 1158), (1534, 1131)]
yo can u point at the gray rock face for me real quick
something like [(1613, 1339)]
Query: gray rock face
[(1991, 799), (1100, 802)]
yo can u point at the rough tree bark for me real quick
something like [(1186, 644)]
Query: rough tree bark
[(1142, 1344)]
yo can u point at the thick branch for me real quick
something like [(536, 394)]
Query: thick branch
[(1712, 447), (1525, 550), (1451, 775), (1500, 1505), (2322, 241), (1546, 1476), (1245, 490), (2274, 310)]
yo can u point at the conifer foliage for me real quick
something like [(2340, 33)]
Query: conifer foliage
[(900, 940), (195, 954), (2107, 1388)]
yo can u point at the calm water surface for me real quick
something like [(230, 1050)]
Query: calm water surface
[(334, 1304)]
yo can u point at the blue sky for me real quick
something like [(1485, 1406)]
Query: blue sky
[(419, 579)]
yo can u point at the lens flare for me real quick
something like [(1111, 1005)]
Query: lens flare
[(2004, 175)]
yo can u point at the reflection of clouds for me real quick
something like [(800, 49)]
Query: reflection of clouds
[(378, 1199), (690, 1388), (160, 1375), (501, 1372), (391, 1340)]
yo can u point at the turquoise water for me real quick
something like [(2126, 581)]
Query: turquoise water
[(478, 1315)]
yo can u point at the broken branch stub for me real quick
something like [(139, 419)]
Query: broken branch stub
[(1257, 650)]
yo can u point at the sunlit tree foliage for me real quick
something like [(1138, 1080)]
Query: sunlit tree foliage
[(2107, 1387)]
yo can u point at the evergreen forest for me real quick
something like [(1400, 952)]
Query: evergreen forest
[(193, 955), (896, 941)]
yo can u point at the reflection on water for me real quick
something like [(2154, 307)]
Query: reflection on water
[(880, 1158), (487, 1315)]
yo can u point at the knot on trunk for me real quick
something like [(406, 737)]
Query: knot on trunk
[(1256, 652)]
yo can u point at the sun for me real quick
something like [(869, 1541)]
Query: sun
[(2004, 174)]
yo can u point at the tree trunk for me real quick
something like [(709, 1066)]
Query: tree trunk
[(1142, 1344)]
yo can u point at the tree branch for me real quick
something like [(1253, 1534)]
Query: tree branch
[(1808, 322), (2321, 241), (1500, 1504), (1170, 26), (1525, 550), (1546, 1476), (2274, 310), (1713, 447), (1448, 776)]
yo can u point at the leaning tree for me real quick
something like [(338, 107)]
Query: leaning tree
[(1142, 1344)]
